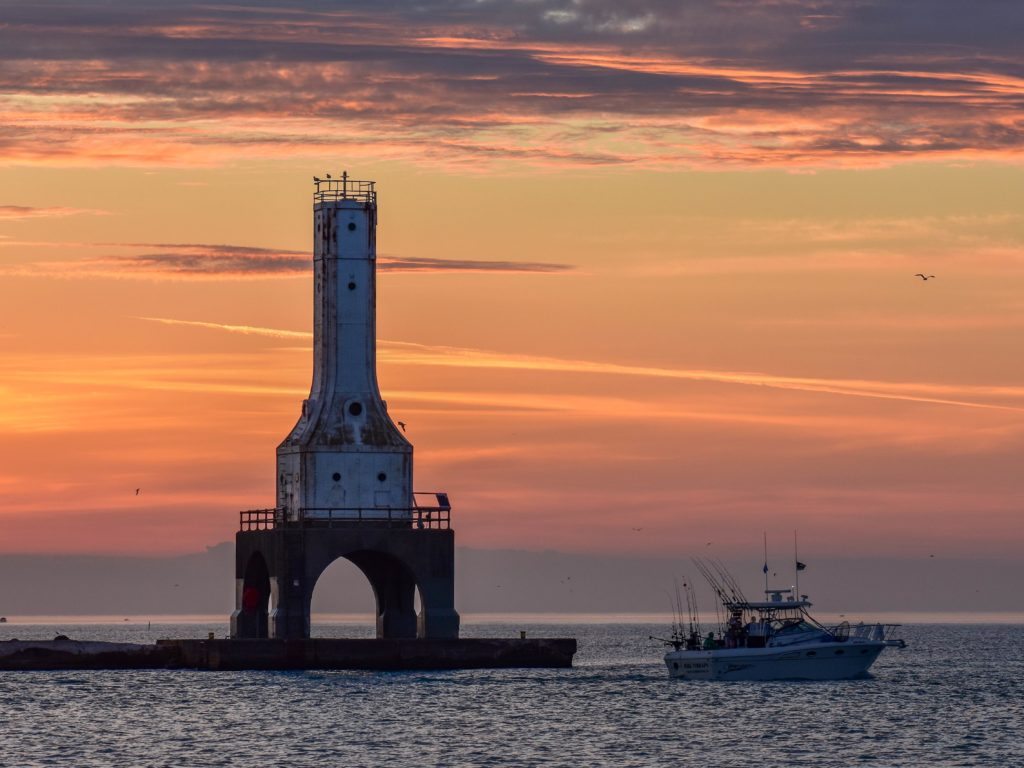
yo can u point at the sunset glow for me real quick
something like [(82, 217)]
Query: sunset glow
[(632, 275)]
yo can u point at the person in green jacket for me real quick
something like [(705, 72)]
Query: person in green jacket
[(709, 642)]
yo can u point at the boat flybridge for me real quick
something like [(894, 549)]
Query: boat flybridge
[(774, 639)]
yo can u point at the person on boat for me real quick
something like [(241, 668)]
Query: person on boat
[(709, 642), (732, 634)]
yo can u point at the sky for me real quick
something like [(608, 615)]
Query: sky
[(646, 269)]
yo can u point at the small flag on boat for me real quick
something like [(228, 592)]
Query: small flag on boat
[(800, 566), (766, 567)]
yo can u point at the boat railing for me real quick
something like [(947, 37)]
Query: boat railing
[(865, 631)]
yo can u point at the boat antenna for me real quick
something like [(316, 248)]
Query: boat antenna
[(765, 561), (796, 567)]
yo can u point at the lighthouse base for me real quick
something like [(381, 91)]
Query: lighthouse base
[(277, 569)]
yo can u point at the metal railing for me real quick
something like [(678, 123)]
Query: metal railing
[(420, 517), (328, 189)]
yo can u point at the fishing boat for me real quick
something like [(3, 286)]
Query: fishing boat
[(773, 639)]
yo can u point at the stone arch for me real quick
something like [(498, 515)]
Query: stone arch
[(342, 588), (252, 601), (394, 589), (396, 561)]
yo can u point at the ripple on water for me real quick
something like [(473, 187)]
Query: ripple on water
[(953, 698)]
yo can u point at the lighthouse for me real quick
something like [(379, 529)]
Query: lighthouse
[(344, 473), (345, 458)]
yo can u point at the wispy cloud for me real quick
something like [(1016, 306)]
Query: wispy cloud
[(177, 261), (423, 264), (710, 82), (919, 392), (22, 212), (247, 330), (407, 353)]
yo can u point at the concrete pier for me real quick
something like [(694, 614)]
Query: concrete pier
[(294, 654)]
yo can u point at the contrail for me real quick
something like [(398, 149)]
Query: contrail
[(249, 330), (462, 357)]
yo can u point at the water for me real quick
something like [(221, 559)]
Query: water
[(953, 698)]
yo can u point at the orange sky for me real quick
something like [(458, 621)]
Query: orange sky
[(629, 278)]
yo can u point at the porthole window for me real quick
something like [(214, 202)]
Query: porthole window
[(336, 476), (351, 286), (355, 409), (351, 226), (382, 476)]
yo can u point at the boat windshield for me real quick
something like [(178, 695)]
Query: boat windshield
[(794, 626)]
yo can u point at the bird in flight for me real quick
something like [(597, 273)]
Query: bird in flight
[(402, 425), (638, 529), (923, 276), (137, 491)]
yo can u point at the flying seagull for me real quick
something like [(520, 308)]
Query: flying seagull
[(402, 425), (924, 277), (137, 491)]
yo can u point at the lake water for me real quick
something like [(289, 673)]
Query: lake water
[(954, 697)]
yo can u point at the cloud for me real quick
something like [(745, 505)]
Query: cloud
[(22, 212), (919, 392), (248, 330), (483, 85), (423, 264), (408, 353), (190, 260), (217, 261)]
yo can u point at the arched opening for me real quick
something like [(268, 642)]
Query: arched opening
[(343, 604), (255, 602), (393, 588)]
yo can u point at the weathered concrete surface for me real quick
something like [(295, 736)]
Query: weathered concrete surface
[(320, 653)]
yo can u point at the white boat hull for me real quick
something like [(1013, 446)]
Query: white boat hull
[(811, 661)]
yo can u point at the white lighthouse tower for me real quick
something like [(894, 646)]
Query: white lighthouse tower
[(344, 473), (344, 458)]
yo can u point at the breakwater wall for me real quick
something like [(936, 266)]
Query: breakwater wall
[(316, 653)]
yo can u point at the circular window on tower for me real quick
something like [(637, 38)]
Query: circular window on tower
[(351, 226), (382, 476), (355, 408), (351, 286), (336, 476)]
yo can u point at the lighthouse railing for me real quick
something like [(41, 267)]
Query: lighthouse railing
[(420, 517)]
